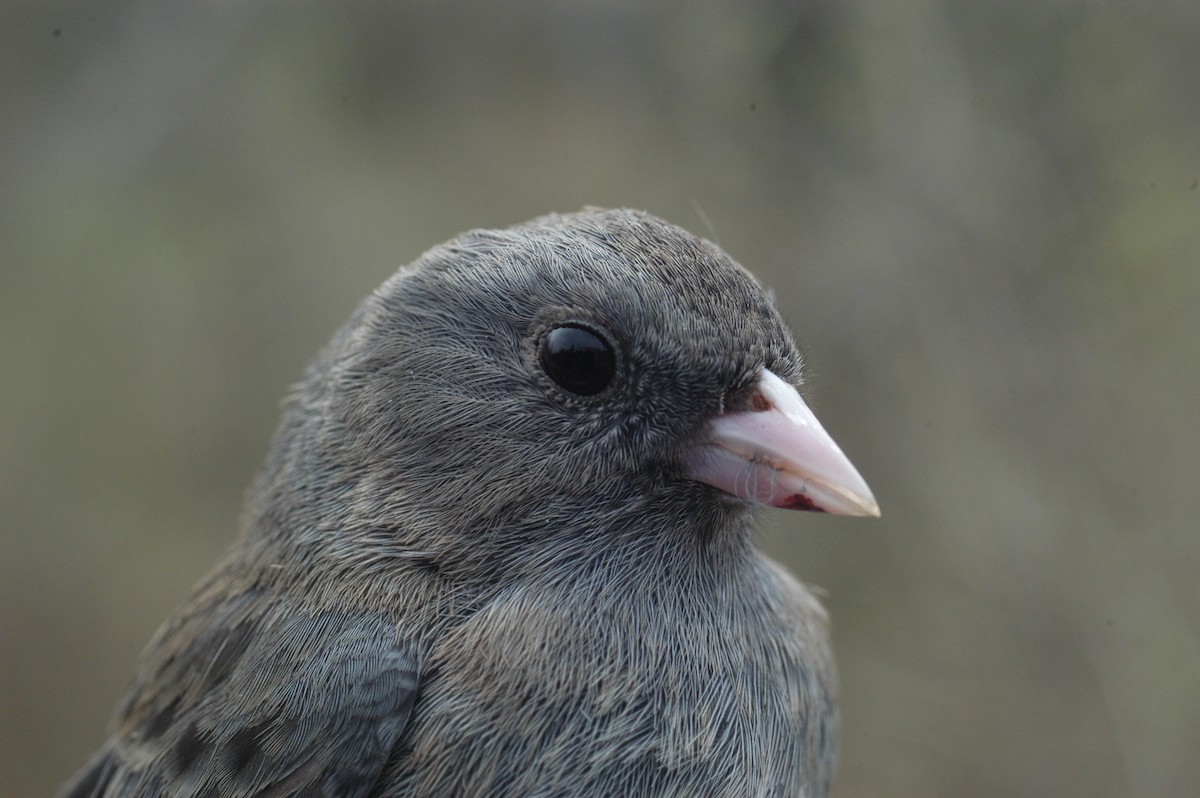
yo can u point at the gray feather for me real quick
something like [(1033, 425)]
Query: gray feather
[(256, 698)]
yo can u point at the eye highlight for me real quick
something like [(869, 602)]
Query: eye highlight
[(578, 359)]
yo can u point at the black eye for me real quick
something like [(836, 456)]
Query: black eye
[(578, 359)]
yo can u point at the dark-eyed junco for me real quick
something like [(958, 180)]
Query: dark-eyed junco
[(502, 546)]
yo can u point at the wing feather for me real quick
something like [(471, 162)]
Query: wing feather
[(239, 705)]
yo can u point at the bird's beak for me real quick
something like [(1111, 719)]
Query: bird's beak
[(778, 454)]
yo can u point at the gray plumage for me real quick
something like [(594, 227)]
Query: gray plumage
[(457, 578)]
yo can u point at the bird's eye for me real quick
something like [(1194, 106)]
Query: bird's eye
[(578, 359)]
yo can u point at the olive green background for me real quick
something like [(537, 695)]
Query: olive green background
[(982, 220)]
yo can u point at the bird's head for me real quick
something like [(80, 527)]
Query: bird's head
[(579, 371)]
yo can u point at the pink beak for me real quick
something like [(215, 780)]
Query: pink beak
[(778, 454)]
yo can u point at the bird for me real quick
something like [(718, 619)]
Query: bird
[(503, 544)]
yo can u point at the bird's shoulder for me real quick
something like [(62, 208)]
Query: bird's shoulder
[(256, 695)]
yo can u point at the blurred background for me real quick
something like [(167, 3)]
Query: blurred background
[(981, 219)]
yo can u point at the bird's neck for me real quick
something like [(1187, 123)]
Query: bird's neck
[(604, 548)]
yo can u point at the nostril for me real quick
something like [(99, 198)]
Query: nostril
[(746, 399), (756, 402)]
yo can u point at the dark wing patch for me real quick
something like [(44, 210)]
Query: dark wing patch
[(284, 704)]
